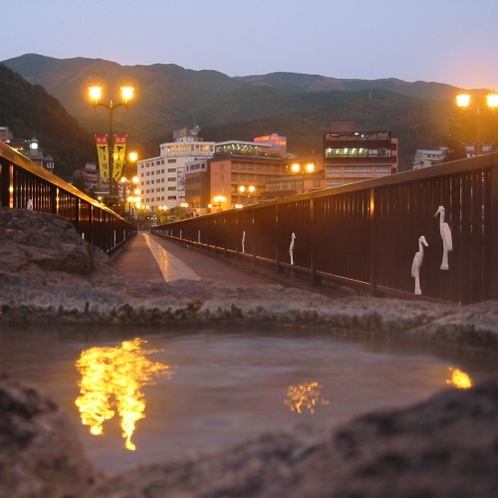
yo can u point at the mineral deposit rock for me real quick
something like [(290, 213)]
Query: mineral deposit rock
[(40, 455)]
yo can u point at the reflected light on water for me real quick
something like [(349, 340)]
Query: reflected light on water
[(458, 379), (305, 396), (112, 379)]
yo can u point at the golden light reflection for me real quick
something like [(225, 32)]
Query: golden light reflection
[(459, 379), (305, 396), (112, 379)]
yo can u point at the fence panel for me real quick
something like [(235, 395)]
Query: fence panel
[(366, 234), (23, 184)]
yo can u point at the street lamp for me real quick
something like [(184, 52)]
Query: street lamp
[(219, 199), (465, 101), (303, 168), (95, 93), (247, 191), (128, 192), (184, 206)]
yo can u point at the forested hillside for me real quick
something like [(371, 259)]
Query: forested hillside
[(300, 107), (29, 111)]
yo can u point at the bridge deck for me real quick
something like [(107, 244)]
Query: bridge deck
[(156, 259)]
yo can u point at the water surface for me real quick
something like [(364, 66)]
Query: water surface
[(140, 395)]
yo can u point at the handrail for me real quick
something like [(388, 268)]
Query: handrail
[(365, 234), (24, 183)]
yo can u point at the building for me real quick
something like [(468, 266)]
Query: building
[(29, 148), (300, 175), (197, 186), (6, 134), (162, 178), (277, 143), (426, 157), (239, 172), (351, 156)]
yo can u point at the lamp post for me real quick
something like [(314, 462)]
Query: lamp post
[(129, 192), (303, 168), (247, 191), (218, 200), (96, 93), (465, 101), (184, 206)]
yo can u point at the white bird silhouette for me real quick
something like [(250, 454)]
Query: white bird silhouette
[(445, 232), (417, 263), (291, 248)]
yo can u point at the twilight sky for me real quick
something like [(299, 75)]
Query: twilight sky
[(447, 41)]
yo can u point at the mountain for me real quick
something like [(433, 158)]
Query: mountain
[(30, 112), (298, 106)]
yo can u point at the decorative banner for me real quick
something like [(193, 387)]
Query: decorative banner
[(103, 156), (470, 149), (119, 156)]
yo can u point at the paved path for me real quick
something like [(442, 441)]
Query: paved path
[(156, 259)]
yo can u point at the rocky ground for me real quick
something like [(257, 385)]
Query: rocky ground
[(445, 447)]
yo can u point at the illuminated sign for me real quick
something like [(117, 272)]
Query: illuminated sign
[(273, 139)]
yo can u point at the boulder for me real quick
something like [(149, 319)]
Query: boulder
[(40, 455), (445, 447)]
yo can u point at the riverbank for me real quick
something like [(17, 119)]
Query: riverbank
[(49, 274), (444, 447)]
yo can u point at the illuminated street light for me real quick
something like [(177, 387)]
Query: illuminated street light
[(96, 93), (248, 191), (219, 200), (303, 168), (465, 101)]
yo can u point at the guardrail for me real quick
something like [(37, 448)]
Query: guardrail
[(366, 234), (24, 182)]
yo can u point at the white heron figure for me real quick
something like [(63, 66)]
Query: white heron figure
[(417, 263), (445, 232), (243, 242), (291, 248)]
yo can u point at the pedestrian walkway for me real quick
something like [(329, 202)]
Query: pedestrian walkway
[(156, 259)]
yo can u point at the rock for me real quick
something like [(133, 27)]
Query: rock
[(40, 242), (39, 457), (446, 447), (48, 273)]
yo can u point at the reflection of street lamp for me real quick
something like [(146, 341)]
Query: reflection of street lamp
[(219, 199), (464, 101), (95, 93)]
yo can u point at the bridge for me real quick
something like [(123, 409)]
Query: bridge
[(363, 235), (25, 184)]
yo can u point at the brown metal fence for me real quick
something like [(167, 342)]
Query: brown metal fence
[(366, 234), (23, 181)]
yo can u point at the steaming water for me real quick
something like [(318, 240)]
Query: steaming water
[(163, 392)]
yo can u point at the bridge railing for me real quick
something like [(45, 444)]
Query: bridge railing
[(366, 234), (24, 183)]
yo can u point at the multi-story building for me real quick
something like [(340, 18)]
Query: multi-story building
[(426, 157), (301, 175), (239, 172), (29, 148), (351, 156), (197, 186), (162, 178)]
